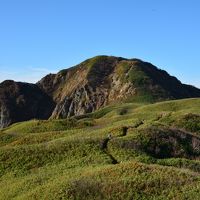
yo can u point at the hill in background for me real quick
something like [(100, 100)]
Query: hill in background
[(87, 87)]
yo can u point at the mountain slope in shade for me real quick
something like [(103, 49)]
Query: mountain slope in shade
[(23, 101), (91, 85)]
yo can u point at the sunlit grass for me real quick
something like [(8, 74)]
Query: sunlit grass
[(63, 159)]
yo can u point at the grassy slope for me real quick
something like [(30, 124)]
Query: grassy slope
[(72, 159)]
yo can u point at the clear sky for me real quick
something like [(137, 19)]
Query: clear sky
[(42, 36)]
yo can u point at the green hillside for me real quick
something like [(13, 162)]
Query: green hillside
[(124, 151)]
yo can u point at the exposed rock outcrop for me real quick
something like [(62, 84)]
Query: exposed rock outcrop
[(105, 79)]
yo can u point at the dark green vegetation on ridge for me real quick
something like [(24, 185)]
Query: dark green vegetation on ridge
[(87, 87), (123, 151)]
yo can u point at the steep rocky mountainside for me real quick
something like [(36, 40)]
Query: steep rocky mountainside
[(102, 80), (23, 101), (93, 84)]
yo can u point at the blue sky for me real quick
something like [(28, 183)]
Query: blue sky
[(42, 36)]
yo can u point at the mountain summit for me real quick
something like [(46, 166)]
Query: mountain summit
[(91, 85)]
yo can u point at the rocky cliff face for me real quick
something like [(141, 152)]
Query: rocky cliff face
[(94, 83), (102, 80), (23, 101)]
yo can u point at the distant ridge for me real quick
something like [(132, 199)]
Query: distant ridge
[(91, 85)]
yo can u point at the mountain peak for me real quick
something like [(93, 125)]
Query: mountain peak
[(88, 86)]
